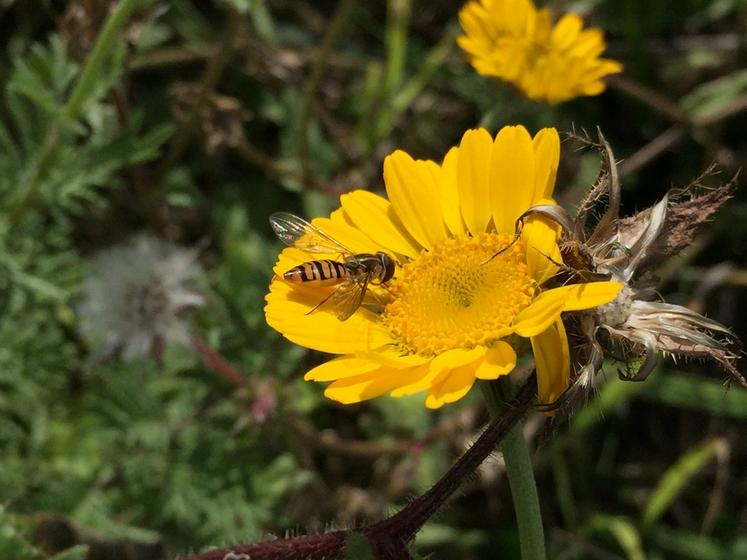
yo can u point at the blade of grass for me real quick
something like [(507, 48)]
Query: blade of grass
[(676, 479), (622, 530), (397, 20), (696, 393), (686, 544)]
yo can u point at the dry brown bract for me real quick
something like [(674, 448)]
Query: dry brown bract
[(637, 327)]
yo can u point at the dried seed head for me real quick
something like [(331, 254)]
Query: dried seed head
[(617, 312), (135, 298), (634, 328), (689, 208)]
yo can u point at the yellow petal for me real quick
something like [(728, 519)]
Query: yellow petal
[(540, 236), (450, 194), (287, 312), (392, 356), (372, 384), (374, 216), (446, 361), (362, 387), (473, 179), (353, 238), (553, 362), (590, 44), (546, 308), (418, 380), (511, 177), (457, 357), (500, 359), (546, 145), (566, 31), (340, 368), (450, 386), (592, 294), (415, 197), (541, 313)]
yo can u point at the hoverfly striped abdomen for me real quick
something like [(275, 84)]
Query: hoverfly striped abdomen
[(351, 276), (324, 272)]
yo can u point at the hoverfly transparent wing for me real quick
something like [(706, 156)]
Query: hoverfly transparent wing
[(297, 232), (348, 296)]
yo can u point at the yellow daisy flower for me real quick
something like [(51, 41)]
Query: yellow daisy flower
[(451, 314), (514, 41)]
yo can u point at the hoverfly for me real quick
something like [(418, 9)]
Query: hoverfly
[(351, 276)]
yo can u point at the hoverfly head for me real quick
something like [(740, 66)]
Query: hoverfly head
[(388, 266)]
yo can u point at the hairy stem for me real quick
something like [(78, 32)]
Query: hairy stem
[(389, 537), (100, 53)]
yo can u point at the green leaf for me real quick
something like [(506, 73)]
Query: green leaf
[(687, 544), (711, 97), (44, 77), (696, 393), (622, 530), (12, 543), (677, 477)]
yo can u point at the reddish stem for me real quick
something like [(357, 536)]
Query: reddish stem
[(218, 363), (389, 537)]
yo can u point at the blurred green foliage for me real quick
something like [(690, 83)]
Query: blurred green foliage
[(202, 119)]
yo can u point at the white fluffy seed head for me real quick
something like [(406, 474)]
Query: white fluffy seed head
[(135, 297)]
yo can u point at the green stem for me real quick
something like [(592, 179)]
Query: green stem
[(100, 53), (520, 479), (397, 102), (524, 493), (397, 20)]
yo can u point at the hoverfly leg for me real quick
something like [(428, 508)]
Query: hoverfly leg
[(381, 304), (318, 305), (517, 235)]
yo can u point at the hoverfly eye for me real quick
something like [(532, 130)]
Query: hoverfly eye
[(388, 266)]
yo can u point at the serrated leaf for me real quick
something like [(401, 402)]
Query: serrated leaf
[(44, 76)]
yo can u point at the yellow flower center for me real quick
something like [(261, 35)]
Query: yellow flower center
[(453, 296)]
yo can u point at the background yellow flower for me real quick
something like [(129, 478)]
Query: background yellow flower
[(514, 41), (463, 293)]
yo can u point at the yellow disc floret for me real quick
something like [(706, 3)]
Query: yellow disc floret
[(457, 296)]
